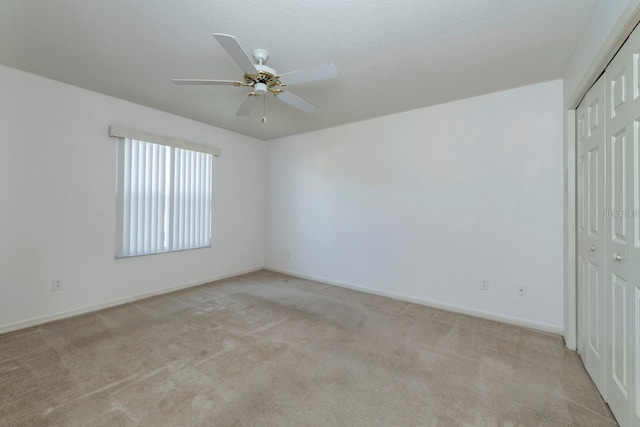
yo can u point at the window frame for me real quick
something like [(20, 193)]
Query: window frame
[(186, 172)]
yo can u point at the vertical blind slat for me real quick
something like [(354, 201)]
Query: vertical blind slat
[(148, 194), (183, 190), (198, 204), (192, 194), (133, 199), (196, 199), (175, 189), (208, 202), (203, 213), (161, 199), (126, 198), (179, 220), (169, 227), (140, 197), (184, 223), (187, 202), (153, 236), (205, 176), (180, 197)]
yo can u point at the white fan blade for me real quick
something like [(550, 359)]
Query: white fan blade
[(297, 102), (323, 72), (206, 82), (247, 105), (233, 48)]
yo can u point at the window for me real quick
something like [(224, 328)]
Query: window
[(163, 195)]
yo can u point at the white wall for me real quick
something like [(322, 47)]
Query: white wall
[(424, 204), (57, 201), (608, 19)]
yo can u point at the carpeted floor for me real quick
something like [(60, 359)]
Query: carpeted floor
[(266, 349)]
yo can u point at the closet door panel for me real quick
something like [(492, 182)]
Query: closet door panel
[(634, 222), (591, 236), (632, 217), (622, 110), (581, 228)]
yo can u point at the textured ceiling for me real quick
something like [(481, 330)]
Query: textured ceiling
[(391, 55)]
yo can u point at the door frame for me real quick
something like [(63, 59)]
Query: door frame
[(625, 25)]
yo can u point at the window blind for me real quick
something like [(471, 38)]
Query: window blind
[(163, 196)]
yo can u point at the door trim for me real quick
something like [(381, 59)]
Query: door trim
[(570, 233)]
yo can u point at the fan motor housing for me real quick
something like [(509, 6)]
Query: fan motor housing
[(265, 75)]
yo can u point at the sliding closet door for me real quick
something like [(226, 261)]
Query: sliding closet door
[(621, 126), (591, 236)]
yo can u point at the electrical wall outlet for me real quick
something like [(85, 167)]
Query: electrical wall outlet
[(57, 285), (522, 290), (484, 285)]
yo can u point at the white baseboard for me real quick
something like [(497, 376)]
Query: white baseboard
[(95, 307), (544, 327), (421, 301)]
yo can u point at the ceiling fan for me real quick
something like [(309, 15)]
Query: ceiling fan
[(264, 79)]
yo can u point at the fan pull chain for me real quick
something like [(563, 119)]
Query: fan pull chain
[(264, 109)]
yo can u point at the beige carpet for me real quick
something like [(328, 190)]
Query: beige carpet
[(270, 350)]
